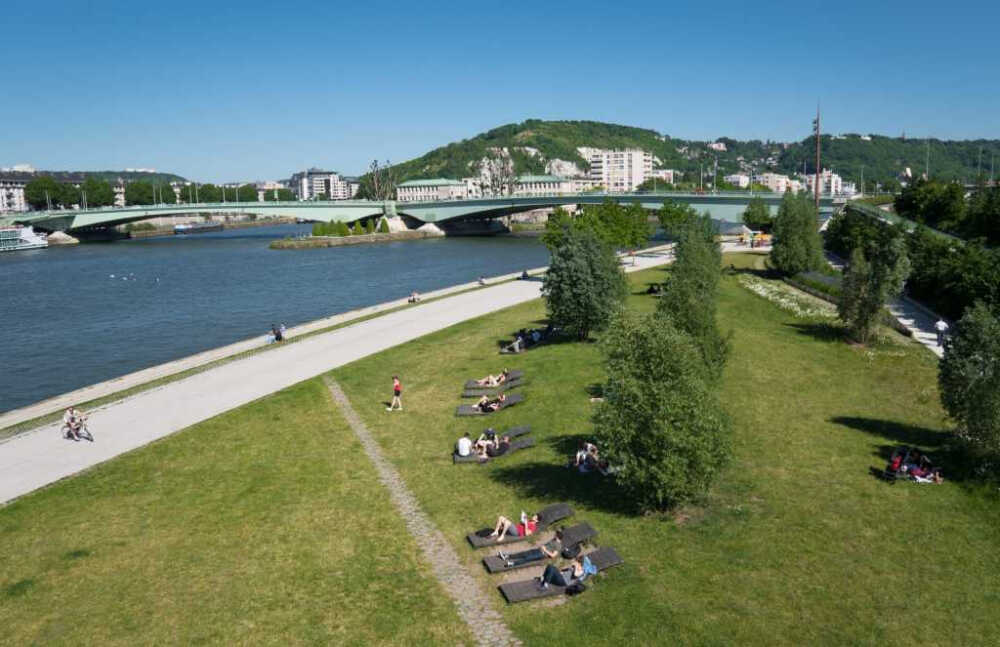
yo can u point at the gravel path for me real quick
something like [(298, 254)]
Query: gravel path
[(474, 608)]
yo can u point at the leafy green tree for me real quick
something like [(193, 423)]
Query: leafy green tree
[(165, 194), (319, 197), (383, 226), (689, 295), (871, 280), (343, 229), (674, 217), (41, 191), (797, 243), (358, 229), (138, 193), (940, 205), (757, 216), (660, 424), (584, 286), (99, 192), (370, 226), (558, 223), (286, 195), (246, 193), (69, 195), (969, 377), (615, 225)]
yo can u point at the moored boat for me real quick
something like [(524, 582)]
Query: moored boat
[(18, 237)]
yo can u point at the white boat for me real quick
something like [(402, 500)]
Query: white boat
[(17, 238)]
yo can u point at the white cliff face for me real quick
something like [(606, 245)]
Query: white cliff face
[(563, 168)]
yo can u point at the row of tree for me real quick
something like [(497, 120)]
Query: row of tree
[(945, 206), (661, 425), (44, 192), (343, 229)]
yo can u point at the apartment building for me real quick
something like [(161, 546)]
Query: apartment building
[(740, 180), (431, 189), (310, 184), (12, 194), (620, 171), (830, 183)]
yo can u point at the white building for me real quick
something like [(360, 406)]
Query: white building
[(582, 184), (830, 183), (12, 194), (740, 180), (431, 189), (308, 185), (269, 187), (473, 187), (619, 171), (664, 174), (536, 185), (718, 146), (774, 181)]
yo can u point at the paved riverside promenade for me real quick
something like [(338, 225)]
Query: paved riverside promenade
[(36, 458)]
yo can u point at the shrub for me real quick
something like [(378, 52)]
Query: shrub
[(584, 285), (342, 229), (370, 226), (358, 229), (659, 424), (383, 227), (868, 283)]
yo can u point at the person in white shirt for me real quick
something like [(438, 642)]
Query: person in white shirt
[(464, 447), (941, 328), (72, 419)]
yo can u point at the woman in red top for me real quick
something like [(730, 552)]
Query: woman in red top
[(397, 389), (507, 527)]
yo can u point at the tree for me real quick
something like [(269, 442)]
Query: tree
[(674, 216), (370, 226), (138, 192), (246, 193), (688, 300), (286, 195), (797, 243), (342, 229), (209, 193), (584, 286), (42, 191), (165, 194), (358, 229), (616, 226), (659, 424), (383, 226), (99, 192), (496, 172), (871, 280), (757, 216), (969, 377), (69, 195), (379, 183)]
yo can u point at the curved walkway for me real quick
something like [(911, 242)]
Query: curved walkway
[(39, 457)]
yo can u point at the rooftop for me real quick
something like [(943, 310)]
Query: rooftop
[(525, 179), (437, 181)]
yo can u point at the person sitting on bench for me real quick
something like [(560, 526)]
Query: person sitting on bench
[(553, 575), (487, 439), (507, 527), (548, 550), (496, 448), (486, 405)]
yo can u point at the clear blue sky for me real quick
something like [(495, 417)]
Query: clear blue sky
[(257, 90)]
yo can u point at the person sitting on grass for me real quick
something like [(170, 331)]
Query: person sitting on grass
[(548, 550), (499, 448), (464, 445), (486, 405), (505, 526)]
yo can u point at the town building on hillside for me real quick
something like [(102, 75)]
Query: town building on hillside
[(12, 194), (536, 185), (739, 180), (620, 171), (718, 146), (775, 182), (664, 174), (830, 183), (308, 185), (431, 189)]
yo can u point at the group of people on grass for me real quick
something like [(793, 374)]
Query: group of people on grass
[(579, 569), (525, 338), (487, 446), (916, 465), (588, 459)]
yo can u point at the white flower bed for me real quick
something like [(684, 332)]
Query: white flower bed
[(781, 296)]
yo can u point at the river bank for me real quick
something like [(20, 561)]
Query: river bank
[(240, 224)]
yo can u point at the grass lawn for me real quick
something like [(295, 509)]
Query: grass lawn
[(796, 544), (263, 525), (267, 524)]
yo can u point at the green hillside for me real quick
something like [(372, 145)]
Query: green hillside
[(883, 157)]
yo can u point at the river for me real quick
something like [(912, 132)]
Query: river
[(82, 314)]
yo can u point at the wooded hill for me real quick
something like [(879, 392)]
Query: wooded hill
[(883, 157)]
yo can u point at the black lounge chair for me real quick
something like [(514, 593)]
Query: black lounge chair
[(473, 410), (546, 517), (571, 538), (512, 375), (602, 559), (480, 391), (515, 445), (511, 433)]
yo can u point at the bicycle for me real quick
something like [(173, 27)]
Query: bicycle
[(81, 432)]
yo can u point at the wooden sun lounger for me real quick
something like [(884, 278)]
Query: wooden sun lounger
[(572, 536), (546, 517), (511, 376), (480, 391), (473, 410), (515, 445), (602, 558)]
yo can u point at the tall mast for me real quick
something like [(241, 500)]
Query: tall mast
[(817, 176)]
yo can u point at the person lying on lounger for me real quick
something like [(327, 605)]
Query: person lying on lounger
[(548, 550), (487, 405), (494, 380), (498, 448), (507, 527), (553, 575)]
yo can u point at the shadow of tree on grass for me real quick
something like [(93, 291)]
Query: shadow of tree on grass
[(554, 483), (898, 432)]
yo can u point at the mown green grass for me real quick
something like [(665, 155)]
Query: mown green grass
[(263, 525), (796, 544)]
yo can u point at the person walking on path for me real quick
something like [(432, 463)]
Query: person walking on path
[(397, 390), (941, 327)]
